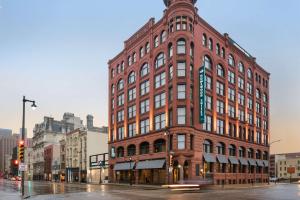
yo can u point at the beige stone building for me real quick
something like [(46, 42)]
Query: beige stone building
[(284, 161)]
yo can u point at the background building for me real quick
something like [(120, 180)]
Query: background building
[(187, 104), (7, 143), (5, 132), (280, 163), (80, 145), (50, 132)]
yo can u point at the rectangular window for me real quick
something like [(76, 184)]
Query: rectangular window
[(181, 116), (208, 123), (220, 127), (170, 94), (132, 130), (131, 94), (220, 107), (231, 77), (145, 88), (257, 107), (241, 99), (131, 111), (160, 100), (241, 115), (160, 121), (249, 88), (250, 119), (144, 106), (160, 80), (250, 104), (145, 126), (181, 141), (208, 83), (181, 69), (220, 88), (120, 116), (120, 133), (258, 125), (208, 102), (121, 100), (181, 91), (241, 83), (113, 104), (231, 111), (231, 94)]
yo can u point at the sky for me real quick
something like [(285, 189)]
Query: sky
[(56, 52)]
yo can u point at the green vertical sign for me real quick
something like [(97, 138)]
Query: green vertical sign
[(202, 94)]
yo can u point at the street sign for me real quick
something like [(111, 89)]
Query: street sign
[(22, 167)]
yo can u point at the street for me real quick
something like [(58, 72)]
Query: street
[(9, 190)]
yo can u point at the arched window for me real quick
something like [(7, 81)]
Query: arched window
[(181, 46), (118, 68), (258, 95), (232, 150), (131, 150), (208, 146), (145, 69), (220, 70), (120, 152), (112, 73), (122, 66), (265, 98), (265, 155), (204, 40), (223, 52), (221, 148), (142, 52), (192, 50), (156, 41), (210, 44), (163, 36), (170, 50), (131, 78), (249, 73), (120, 84), (231, 61), (258, 154), (207, 62), (144, 148), (147, 47), (134, 57), (242, 152), (218, 50), (250, 153), (241, 67), (112, 89), (160, 60), (159, 146), (129, 60)]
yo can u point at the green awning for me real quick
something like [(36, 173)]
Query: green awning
[(233, 160), (210, 158), (252, 162), (151, 164), (222, 159), (243, 161), (124, 166)]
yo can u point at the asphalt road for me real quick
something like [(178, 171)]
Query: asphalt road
[(10, 190)]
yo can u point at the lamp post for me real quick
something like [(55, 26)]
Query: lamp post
[(33, 106), (168, 149), (270, 162), (130, 171)]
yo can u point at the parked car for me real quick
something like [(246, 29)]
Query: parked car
[(273, 179)]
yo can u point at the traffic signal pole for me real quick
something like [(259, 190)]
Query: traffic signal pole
[(23, 139)]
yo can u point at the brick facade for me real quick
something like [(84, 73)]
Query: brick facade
[(191, 39)]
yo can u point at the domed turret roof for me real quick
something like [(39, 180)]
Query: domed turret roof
[(167, 2)]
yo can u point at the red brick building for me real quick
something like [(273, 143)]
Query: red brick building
[(154, 109)]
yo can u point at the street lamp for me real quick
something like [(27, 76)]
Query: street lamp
[(168, 149), (33, 106)]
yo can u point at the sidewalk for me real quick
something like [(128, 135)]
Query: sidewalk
[(237, 186)]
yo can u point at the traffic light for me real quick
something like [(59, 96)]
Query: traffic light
[(16, 162), (21, 150)]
